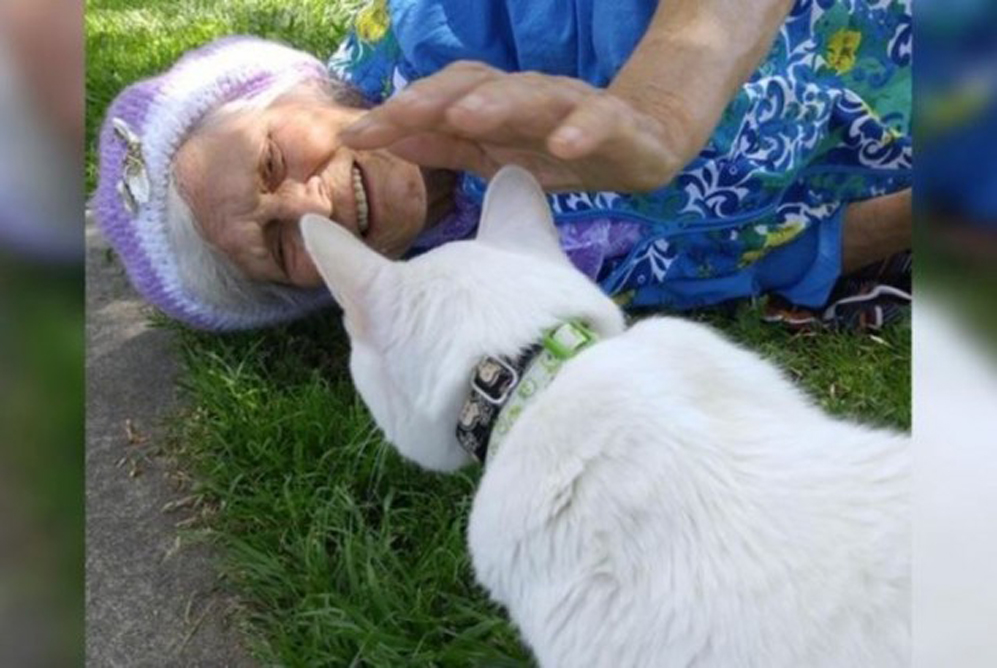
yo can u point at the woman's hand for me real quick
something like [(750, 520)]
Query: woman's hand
[(654, 118), (572, 136)]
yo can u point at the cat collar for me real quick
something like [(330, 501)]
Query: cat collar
[(501, 387)]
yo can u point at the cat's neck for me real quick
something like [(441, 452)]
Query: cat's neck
[(450, 316), (501, 387)]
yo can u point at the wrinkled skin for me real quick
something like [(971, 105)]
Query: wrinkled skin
[(251, 176)]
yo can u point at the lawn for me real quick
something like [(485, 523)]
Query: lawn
[(341, 553)]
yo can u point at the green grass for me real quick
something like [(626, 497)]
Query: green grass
[(341, 553)]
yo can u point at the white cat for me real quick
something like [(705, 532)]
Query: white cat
[(670, 499)]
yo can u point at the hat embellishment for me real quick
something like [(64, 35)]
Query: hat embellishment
[(133, 188)]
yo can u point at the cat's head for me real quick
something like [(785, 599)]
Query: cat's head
[(418, 328)]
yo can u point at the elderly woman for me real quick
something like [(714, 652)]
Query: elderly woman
[(694, 152)]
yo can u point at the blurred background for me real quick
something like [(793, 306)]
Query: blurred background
[(41, 332), (955, 333), (42, 318)]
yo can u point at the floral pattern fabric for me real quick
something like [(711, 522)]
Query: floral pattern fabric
[(824, 120)]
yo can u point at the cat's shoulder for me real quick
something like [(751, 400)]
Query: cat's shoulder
[(675, 329), (676, 341)]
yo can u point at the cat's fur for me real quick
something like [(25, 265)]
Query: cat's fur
[(670, 500)]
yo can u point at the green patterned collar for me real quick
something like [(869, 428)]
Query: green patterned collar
[(502, 387)]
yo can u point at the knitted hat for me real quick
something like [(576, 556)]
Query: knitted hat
[(144, 127)]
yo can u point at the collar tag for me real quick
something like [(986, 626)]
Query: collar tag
[(494, 380), (501, 387)]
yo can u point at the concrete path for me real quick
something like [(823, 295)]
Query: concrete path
[(148, 603)]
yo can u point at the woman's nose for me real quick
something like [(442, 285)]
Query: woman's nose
[(298, 199)]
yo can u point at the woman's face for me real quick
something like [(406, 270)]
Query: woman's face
[(250, 178)]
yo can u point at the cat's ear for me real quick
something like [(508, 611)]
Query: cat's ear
[(515, 215), (347, 265)]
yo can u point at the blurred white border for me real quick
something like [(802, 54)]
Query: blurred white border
[(955, 495)]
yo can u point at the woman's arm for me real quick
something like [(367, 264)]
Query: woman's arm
[(693, 59), (653, 119)]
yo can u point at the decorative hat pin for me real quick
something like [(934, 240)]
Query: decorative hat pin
[(134, 186)]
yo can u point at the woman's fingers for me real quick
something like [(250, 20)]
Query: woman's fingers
[(597, 120), (606, 129), (475, 102), (448, 152), (475, 118), (444, 151), (420, 107), (514, 106)]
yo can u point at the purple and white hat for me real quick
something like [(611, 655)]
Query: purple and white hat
[(144, 127)]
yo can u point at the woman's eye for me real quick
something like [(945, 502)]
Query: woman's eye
[(271, 166)]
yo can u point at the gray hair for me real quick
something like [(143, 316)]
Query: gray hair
[(207, 272)]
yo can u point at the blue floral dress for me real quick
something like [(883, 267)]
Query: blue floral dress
[(825, 120)]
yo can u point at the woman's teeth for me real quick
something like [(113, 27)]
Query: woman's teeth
[(363, 209)]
